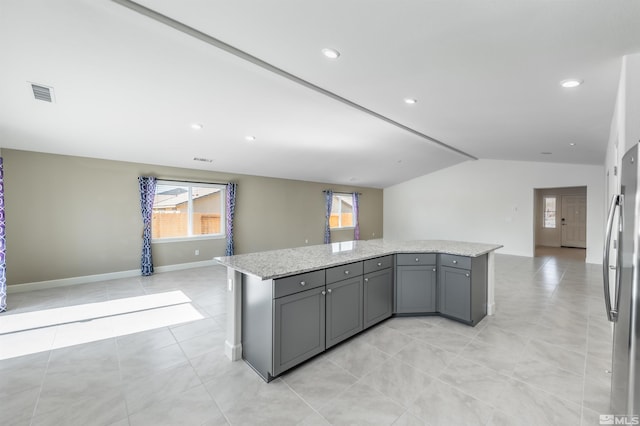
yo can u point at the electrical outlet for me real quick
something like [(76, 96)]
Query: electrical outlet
[(197, 252)]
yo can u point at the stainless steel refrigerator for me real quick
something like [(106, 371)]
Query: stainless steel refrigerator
[(622, 294)]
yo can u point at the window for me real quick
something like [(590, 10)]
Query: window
[(549, 204), (341, 212), (187, 210)]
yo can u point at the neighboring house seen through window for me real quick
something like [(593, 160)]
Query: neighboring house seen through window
[(342, 211), (188, 210)]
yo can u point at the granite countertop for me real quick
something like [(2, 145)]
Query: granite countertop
[(280, 263)]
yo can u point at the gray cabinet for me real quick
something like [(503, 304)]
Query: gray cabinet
[(296, 283), (416, 283), (455, 293), (343, 310), (299, 328), (378, 296), (378, 292), (416, 289), (463, 288), (283, 321)]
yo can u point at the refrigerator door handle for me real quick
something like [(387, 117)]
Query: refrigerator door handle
[(612, 312)]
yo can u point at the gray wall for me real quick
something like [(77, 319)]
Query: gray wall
[(72, 217)]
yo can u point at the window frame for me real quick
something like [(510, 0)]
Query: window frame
[(544, 211), (190, 185), (355, 219)]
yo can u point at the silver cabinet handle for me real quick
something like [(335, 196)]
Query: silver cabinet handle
[(302, 283), (466, 275), (434, 269), (612, 311), (366, 280), (417, 259), (455, 261), (379, 263), (346, 272), (323, 292), (328, 290)]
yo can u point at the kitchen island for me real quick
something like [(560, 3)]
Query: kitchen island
[(285, 306)]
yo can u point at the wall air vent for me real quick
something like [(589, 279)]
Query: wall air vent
[(42, 93), (204, 160)]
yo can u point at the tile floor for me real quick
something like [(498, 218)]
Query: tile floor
[(541, 360), (563, 252)]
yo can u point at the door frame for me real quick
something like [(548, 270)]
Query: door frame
[(552, 237)]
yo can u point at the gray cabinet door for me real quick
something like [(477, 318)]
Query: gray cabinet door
[(455, 293), (299, 328), (378, 296), (416, 289), (344, 310)]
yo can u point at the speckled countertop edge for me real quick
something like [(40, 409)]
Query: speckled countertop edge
[(274, 264)]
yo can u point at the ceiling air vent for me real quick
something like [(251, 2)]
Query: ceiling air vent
[(42, 93)]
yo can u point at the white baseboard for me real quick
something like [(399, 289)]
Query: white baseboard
[(233, 352), (181, 266), (491, 308), (87, 279)]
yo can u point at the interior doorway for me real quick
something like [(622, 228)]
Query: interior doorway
[(561, 221)]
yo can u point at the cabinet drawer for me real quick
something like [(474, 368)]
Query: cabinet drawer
[(377, 264), (342, 272), (295, 283), (416, 259), (462, 262)]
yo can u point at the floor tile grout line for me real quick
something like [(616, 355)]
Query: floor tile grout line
[(214, 400), (122, 382), (93, 318), (317, 411), (547, 392), (44, 376)]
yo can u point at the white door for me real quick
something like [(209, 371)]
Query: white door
[(574, 221)]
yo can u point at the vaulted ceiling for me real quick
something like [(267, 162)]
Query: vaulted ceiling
[(130, 79)]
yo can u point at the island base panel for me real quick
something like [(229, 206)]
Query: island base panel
[(257, 323)]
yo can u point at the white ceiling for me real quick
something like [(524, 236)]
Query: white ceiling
[(485, 73)]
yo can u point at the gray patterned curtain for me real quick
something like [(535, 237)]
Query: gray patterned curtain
[(147, 194), (356, 209), (328, 195), (231, 209), (3, 245)]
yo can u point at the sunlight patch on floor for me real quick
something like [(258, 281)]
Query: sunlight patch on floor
[(49, 317), (92, 322)]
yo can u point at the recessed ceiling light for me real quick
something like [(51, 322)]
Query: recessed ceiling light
[(250, 138), (570, 83), (331, 53), (197, 126), (410, 101), (572, 144)]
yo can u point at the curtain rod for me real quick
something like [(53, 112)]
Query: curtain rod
[(192, 181), (340, 192)]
